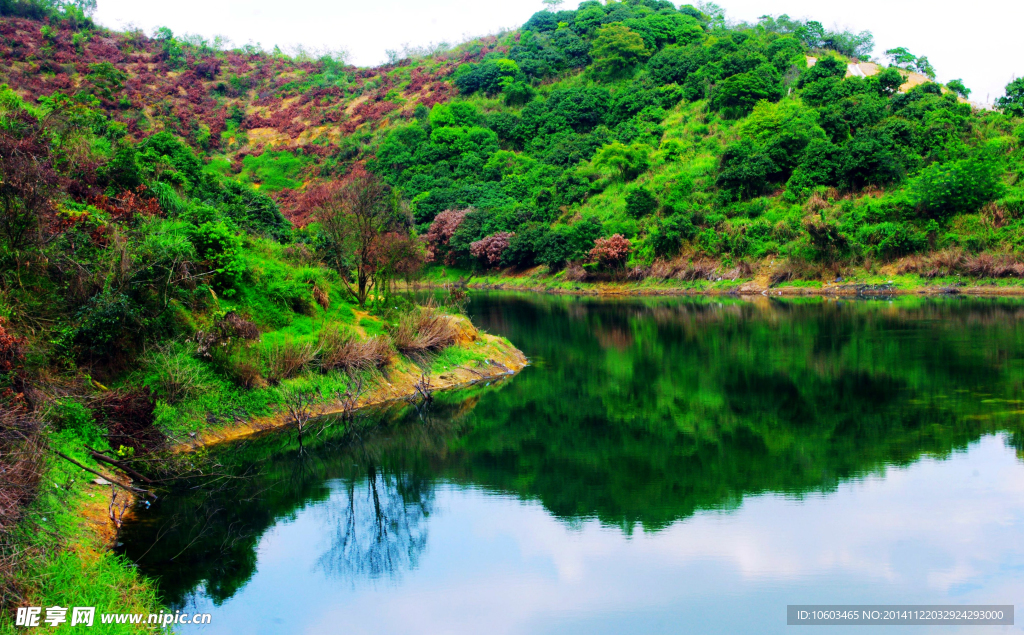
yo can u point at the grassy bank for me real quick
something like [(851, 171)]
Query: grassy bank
[(714, 281), (58, 554)]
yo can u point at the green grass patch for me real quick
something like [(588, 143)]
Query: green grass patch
[(274, 170)]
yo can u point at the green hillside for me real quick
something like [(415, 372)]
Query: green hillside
[(715, 149)]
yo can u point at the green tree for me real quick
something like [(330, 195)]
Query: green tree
[(923, 66), (901, 57), (1013, 102), (736, 95), (617, 51), (957, 86)]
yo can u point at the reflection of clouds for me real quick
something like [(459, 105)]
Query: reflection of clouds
[(929, 533)]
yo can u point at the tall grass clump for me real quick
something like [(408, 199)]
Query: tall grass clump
[(427, 330), (344, 351), (285, 359)]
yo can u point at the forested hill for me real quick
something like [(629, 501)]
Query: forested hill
[(618, 135)]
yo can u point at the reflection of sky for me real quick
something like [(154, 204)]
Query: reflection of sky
[(949, 531)]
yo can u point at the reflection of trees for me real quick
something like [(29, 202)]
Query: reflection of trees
[(710, 400), (378, 525), (206, 532)]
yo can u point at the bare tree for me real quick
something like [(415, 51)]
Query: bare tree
[(370, 233)]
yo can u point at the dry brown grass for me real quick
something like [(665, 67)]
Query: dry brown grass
[(742, 269), (947, 262), (574, 272), (995, 215), (993, 266), (950, 262), (21, 464), (815, 204), (321, 297), (238, 326), (638, 273), (664, 269), (286, 359), (698, 269), (21, 457), (344, 351), (424, 331)]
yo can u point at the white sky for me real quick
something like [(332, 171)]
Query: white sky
[(978, 41)]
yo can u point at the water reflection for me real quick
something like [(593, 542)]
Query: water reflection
[(376, 527), (637, 415)]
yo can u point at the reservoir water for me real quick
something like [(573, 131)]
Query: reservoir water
[(665, 465)]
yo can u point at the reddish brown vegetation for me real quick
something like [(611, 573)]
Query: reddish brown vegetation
[(191, 102), (128, 417), (441, 231), (491, 248), (610, 251), (128, 205)]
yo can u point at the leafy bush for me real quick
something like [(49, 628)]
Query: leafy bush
[(737, 95), (69, 415), (640, 202), (627, 162), (958, 187), (889, 239), (220, 246)]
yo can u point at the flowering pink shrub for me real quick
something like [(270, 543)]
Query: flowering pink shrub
[(490, 248), (442, 230), (610, 251)]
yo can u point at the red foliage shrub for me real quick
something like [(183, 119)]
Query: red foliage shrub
[(442, 230), (490, 248), (610, 251), (129, 205), (208, 69)]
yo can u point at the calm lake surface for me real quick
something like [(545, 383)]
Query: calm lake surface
[(664, 466)]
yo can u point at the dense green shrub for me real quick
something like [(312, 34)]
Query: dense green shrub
[(220, 247), (640, 202), (957, 187)]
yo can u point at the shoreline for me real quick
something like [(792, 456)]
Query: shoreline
[(505, 361), (748, 289)]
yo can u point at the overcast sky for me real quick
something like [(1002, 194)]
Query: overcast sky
[(978, 41)]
